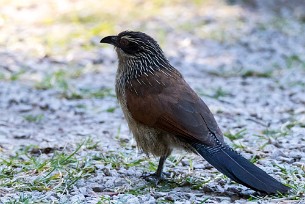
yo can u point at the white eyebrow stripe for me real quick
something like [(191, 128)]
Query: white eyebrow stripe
[(131, 39)]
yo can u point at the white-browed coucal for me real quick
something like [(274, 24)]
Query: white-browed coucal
[(164, 113)]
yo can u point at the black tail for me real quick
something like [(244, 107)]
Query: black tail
[(239, 169)]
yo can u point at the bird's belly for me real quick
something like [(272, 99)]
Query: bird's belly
[(150, 140), (154, 141)]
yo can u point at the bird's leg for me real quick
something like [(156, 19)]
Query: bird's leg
[(160, 167), (158, 175)]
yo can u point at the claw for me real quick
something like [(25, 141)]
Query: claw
[(158, 175), (155, 178)]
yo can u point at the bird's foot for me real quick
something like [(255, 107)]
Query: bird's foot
[(155, 178)]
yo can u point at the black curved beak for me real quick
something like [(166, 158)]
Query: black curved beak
[(110, 40)]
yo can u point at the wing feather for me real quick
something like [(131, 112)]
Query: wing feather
[(172, 107)]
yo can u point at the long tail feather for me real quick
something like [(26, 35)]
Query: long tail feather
[(239, 169)]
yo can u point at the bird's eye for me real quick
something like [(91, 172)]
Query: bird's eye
[(124, 42)]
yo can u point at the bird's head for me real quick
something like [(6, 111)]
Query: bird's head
[(133, 44), (138, 53)]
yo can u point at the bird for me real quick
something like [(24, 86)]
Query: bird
[(164, 113)]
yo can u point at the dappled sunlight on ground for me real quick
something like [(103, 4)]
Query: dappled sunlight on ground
[(63, 137)]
